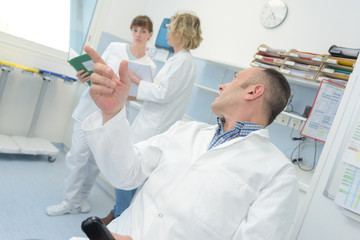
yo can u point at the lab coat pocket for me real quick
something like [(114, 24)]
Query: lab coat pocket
[(223, 203)]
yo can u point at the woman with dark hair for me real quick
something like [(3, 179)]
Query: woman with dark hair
[(81, 169)]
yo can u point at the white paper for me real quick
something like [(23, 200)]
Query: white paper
[(323, 112), (72, 54), (348, 192), (142, 71)]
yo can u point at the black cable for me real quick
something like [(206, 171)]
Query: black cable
[(298, 146), (314, 160)]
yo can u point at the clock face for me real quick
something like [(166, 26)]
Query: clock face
[(273, 13)]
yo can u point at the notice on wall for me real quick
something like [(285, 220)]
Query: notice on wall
[(348, 194), (323, 111), (352, 151)]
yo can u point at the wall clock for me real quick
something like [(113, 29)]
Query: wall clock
[(273, 13)]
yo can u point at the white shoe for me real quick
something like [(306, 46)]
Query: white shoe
[(61, 209), (85, 207)]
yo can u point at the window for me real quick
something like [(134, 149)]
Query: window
[(56, 24), (41, 21)]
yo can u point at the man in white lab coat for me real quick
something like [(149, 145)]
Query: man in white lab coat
[(199, 181)]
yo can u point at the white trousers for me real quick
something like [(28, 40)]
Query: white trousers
[(81, 169)]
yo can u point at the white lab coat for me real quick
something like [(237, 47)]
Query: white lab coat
[(242, 189), (81, 170), (165, 100)]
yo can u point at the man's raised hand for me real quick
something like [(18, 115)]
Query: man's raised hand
[(108, 91)]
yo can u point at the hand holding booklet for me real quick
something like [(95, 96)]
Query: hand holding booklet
[(143, 71), (84, 62), (80, 62)]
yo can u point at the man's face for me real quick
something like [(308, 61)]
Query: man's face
[(231, 96)]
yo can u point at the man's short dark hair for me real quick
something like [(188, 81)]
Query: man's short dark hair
[(278, 93)]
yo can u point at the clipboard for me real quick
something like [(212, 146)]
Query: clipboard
[(323, 110)]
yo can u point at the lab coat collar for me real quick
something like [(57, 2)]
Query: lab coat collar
[(181, 52), (208, 133)]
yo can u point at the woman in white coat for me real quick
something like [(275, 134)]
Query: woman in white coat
[(81, 169), (165, 99)]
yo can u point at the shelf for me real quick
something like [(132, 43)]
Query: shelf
[(304, 178), (301, 82), (294, 116), (206, 88)]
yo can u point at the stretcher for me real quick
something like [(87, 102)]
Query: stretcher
[(29, 144)]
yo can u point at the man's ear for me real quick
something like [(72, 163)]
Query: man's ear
[(254, 91)]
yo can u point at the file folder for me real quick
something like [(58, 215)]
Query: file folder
[(322, 76), (301, 66), (341, 61), (269, 59), (298, 73), (338, 71), (263, 65), (308, 57), (272, 51)]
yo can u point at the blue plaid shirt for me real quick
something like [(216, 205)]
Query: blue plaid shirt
[(241, 129)]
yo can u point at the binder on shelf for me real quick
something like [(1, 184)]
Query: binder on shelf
[(269, 59), (337, 71), (80, 62), (307, 57), (344, 52), (322, 76), (340, 61), (255, 63), (272, 51), (301, 66), (307, 75)]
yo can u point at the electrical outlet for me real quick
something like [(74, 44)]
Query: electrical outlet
[(295, 123), (282, 119)]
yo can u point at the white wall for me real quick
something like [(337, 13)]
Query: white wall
[(232, 32), (21, 91), (232, 29)]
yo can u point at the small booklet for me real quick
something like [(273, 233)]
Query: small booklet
[(80, 62), (143, 71)]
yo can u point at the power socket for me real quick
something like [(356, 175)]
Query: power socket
[(282, 119), (295, 123)]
